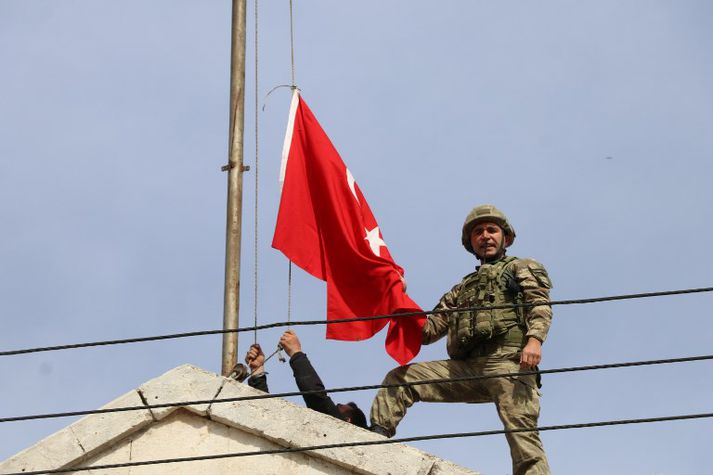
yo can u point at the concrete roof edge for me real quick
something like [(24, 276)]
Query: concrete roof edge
[(277, 420)]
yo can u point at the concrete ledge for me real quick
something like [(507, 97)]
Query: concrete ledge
[(79, 440), (444, 467), (184, 383), (290, 425), (55, 451), (99, 430), (275, 421)]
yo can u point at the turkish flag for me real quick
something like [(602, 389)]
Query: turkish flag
[(325, 226)]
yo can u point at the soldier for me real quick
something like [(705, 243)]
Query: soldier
[(484, 342)]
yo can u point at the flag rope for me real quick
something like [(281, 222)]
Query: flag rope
[(293, 86), (289, 292), (292, 46), (257, 182)]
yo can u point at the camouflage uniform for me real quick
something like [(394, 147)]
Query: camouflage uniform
[(482, 343)]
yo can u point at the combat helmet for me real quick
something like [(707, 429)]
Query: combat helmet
[(485, 213)]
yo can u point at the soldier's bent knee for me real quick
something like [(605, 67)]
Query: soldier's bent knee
[(396, 375)]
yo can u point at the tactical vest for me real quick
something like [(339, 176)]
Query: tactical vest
[(491, 285)]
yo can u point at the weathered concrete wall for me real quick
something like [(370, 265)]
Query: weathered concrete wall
[(219, 428), (87, 435), (183, 434)]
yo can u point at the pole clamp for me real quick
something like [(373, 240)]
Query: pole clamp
[(231, 165)]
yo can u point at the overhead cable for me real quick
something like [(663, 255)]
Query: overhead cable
[(355, 388), (349, 320), (369, 443)]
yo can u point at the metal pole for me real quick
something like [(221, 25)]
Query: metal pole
[(235, 169)]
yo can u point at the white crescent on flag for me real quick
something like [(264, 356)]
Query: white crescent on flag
[(350, 182)]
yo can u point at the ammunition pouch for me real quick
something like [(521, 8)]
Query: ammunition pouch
[(472, 331)]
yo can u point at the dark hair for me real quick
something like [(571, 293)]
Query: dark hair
[(356, 415)]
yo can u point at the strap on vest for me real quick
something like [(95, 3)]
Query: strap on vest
[(519, 311), (514, 338)]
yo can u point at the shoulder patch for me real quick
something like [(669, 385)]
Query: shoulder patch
[(537, 270)]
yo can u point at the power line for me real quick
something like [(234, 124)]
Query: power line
[(350, 320), (356, 388), (372, 442)]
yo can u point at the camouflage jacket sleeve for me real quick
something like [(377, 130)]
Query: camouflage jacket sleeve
[(535, 285), (436, 326)]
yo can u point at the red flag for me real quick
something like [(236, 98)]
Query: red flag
[(325, 226)]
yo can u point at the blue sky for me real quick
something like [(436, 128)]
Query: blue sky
[(113, 129)]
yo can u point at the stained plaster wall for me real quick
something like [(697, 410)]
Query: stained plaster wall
[(183, 434)]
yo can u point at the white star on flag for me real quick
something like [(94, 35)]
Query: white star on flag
[(375, 242)]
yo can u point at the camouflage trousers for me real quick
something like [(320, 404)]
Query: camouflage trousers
[(516, 399)]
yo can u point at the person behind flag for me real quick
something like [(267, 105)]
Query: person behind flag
[(306, 378), (486, 341)]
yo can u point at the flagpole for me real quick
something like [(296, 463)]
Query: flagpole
[(235, 169)]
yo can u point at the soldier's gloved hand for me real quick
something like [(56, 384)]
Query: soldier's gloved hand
[(255, 359), (290, 343), (531, 354)]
